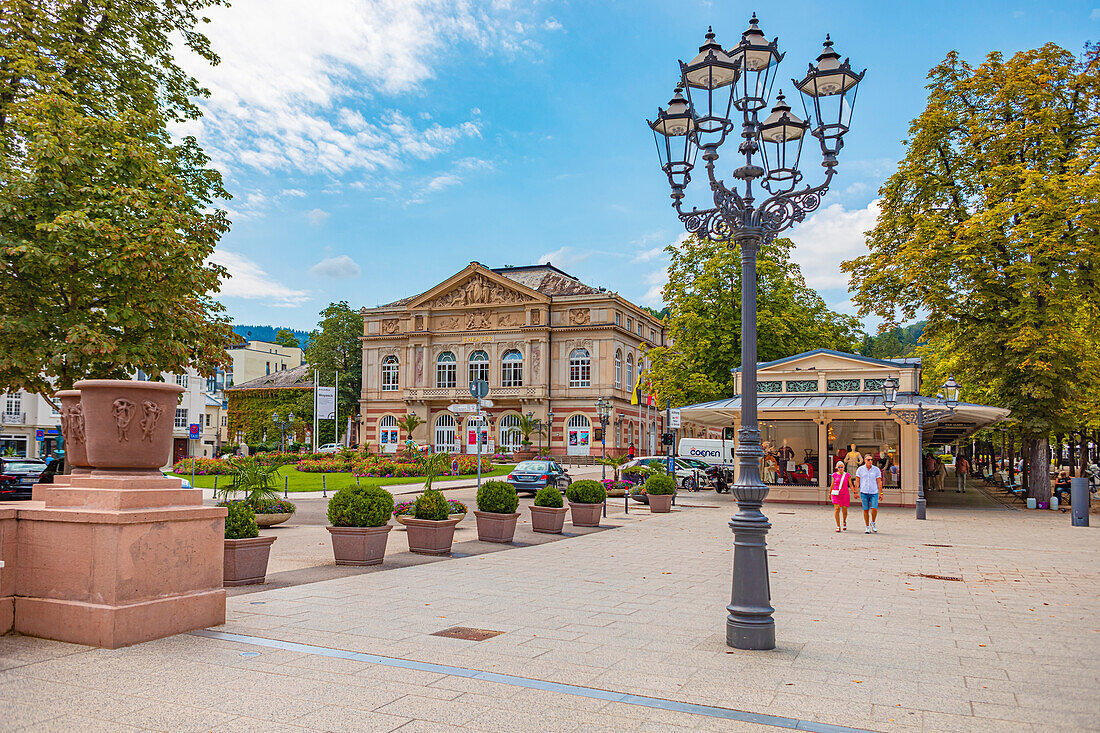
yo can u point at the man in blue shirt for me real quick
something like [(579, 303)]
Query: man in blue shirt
[(869, 481)]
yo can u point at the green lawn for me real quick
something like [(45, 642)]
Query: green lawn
[(299, 481)]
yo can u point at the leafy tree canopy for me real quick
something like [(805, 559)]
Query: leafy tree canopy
[(897, 341), (286, 337), (106, 221), (704, 319)]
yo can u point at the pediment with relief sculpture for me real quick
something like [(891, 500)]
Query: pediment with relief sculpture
[(478, 288)]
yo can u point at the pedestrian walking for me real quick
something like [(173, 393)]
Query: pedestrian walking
[(841, 495), (962, 468), (630, 451), (869, 483), (939, 472)]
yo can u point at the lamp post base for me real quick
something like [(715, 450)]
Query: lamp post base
[(750, 624), (922, 508)]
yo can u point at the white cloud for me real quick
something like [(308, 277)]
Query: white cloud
[(458, 172), (828, 237), (563, 257), (249, 281), (294, 76), (317, 216), (339, 267), (292, 192), (246, 206), (552, 24), (445, 180), (656, 281), (1095, 14)]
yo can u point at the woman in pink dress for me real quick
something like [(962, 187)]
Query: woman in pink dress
[(841, 496)]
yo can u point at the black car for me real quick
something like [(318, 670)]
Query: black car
[(26, 472), (530, 476)]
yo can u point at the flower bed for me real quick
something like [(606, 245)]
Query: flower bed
[(379, 467), (280, 506), (203, 467)]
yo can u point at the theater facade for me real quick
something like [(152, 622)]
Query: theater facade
[(547, 344)]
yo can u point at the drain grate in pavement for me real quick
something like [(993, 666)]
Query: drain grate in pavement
[(468, 633), (929, 544), (935, 577)]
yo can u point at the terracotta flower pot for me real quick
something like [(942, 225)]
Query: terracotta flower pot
[(72, 429), (493, 527), (660, 503), (270, 520), (128, 425), (246, 560), (402, 517), (359, 545), (430, 537), (586, 515), (548, 519)]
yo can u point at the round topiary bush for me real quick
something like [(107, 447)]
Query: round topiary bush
[(659, 485), (360, 506), (431, 505), (240, 523), (497, 497), (586, 492), (548, 496)]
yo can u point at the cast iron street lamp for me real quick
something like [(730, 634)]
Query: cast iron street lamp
[(549, 435), (283, 426), (917, 415), (717, 82), (603, 412)]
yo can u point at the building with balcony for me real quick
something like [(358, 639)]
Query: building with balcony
[(29, 425), (255, 359), (544, 341)]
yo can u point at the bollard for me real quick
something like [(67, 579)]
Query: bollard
[(1079, 498), (286, 480), (323, 489), (356, 479), (215, 486)]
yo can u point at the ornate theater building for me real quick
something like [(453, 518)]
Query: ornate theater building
[(547, 344)]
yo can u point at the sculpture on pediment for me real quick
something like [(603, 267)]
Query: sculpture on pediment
[(477, 319), (579, 316), (389, 326), (479, 290)]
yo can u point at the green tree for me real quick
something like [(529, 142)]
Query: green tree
[(286, 337), (334, 347), (990, 225), (106, 221), (704, 318)]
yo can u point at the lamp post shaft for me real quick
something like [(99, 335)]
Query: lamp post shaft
[(922, 503), (750, 624)]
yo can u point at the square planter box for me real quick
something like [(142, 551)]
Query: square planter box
[(548, 519), (660, 503), (493, 527), (246, 560), (359, 545), (430, 537), (586, 515)]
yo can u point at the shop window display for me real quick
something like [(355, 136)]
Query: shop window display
[(851, 440), (790, 452)]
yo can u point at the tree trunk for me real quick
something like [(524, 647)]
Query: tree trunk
[(1058, 441), (1038, 479), (1011, 459)]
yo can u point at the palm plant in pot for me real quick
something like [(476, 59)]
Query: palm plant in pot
[(246, 553), (548, 511), (527, 426), (259, 484), (586, 500), (660, 489), (496, 512), (359, 517)]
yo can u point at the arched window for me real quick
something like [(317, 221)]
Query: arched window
[(389, 373), (511, 369), (387, 434), (630, 371), (578, 435), (446, 373), (618, 367), (580, 368), (445, 433), (510, 436), (479, 366)]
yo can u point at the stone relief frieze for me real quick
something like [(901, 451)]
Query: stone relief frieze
[(449, 323), (479, 290), (477, 319), (510, 320), (579, 316), (389, 326)]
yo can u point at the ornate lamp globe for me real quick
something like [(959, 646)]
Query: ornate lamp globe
[(672, 131), (829, 95), (890, 393), (950, 390), (757, 59), (709, 80), (782, 135)]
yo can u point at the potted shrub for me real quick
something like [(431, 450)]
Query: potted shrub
[(359, 517), (496, 512), (586, 500), (431, 531), (246, 553), (547, 511), (404, 510), (660, 489)]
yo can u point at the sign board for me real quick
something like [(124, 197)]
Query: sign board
[(460, 407), (487, 403), (39, 434), (674, 418), (326, 403), (454, 467), (479, 388), (195, 431)]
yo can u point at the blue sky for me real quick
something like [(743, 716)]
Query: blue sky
[(375, 147)]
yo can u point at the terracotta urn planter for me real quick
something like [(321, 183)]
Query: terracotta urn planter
[(72, 429), (660, 503), (131, 424), (270, 520), (586, 515), (493, 527), (246, 560), (359, 545), (548, 519), (402, 519), (430, 537)]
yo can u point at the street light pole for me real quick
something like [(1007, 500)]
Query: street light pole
[(717, 81)]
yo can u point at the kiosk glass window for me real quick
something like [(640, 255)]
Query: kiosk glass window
[(790, 452), (445, 370), (879, 438)]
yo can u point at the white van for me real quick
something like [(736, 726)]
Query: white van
[(708, 450)]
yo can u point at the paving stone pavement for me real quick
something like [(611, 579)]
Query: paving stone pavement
[(864, 639)]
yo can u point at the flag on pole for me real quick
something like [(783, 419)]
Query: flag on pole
[(636, 393)]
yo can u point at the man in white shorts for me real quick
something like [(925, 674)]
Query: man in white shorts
[(869, 481)]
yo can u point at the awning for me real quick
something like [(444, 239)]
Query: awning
[(967, 419)]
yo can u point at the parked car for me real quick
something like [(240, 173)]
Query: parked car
[(691, 474), (530, 476), (26, 472), (329, 448)]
